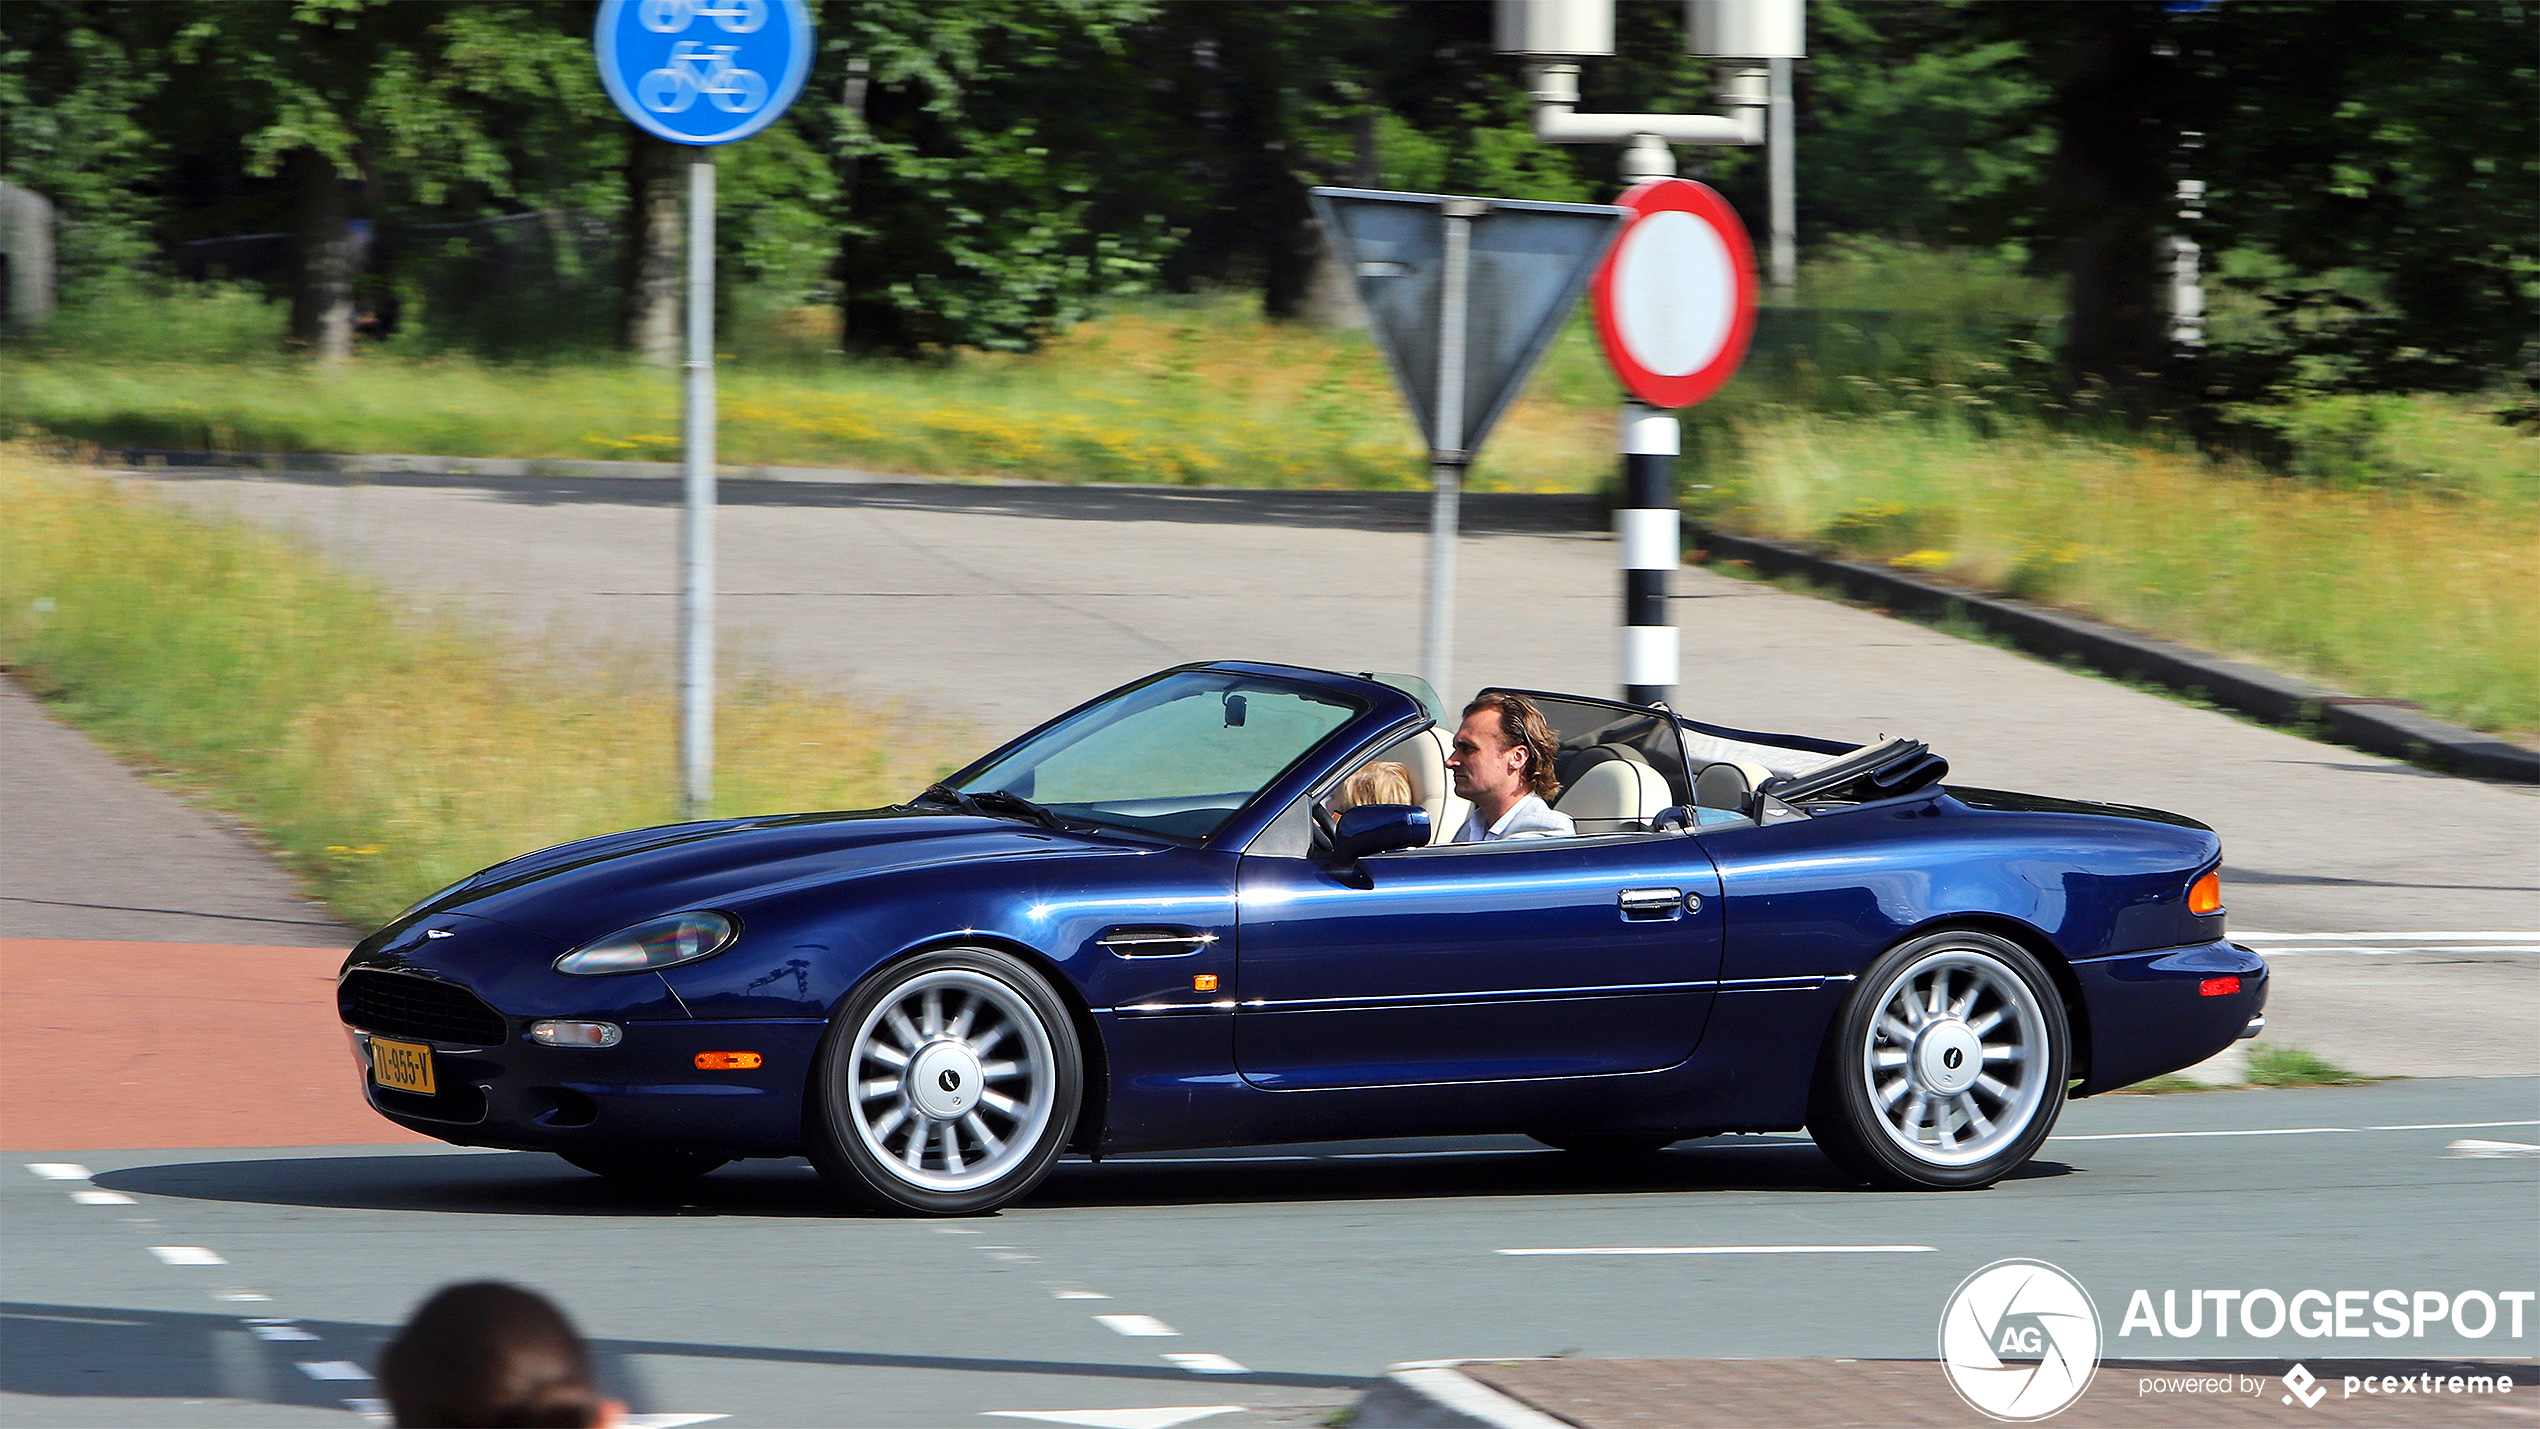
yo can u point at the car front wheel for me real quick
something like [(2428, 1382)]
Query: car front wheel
[(947, 1085), (1947, 1067)]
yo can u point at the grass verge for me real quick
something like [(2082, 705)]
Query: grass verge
[(381, 752), (2268, 1064), (2416, 579)]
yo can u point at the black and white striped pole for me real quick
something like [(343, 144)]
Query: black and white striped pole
[(1646, 537)]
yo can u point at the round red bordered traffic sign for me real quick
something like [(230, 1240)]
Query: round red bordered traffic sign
[(1675, 299)]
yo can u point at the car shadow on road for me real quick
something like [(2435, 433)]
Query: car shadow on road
[(525, 1183)]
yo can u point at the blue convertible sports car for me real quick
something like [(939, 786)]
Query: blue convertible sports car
[(1141, 926)]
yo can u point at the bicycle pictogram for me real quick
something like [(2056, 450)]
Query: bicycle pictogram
[(736, 17), (696, 69)]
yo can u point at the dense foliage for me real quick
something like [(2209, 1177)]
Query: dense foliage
[(981, 174)]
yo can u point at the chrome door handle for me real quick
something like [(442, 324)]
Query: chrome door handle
[(1652, 904)]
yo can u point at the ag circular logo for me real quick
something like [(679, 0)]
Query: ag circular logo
[(2019, 1340)]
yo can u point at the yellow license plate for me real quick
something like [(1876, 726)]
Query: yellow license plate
[(401, 1066)]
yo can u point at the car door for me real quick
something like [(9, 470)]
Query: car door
[(1475, 962)]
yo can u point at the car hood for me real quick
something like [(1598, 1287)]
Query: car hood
[(580, 891)]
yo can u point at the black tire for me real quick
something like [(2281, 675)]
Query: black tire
[(1605, 1146), (994, 1066), (1988, 1066), (646, 1168)]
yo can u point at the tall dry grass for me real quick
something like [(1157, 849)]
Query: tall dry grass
[(382, 753), (2425, 594)]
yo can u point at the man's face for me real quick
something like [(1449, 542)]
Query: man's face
[(1487, 768)]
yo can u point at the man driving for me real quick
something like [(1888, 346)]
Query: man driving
[(1502, 762)]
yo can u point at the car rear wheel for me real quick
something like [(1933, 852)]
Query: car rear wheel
[(948, 1084), (1947, 1067), (646, 1168)]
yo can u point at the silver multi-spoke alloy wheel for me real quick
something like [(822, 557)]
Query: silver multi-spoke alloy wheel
[(948, 1085), (1947, 1066), (954, 1081), (1955, 1059)]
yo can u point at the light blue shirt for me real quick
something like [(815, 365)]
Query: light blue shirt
[(1528, 818)]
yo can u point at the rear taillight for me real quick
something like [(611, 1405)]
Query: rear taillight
[(2204, 896), (2219, 986)]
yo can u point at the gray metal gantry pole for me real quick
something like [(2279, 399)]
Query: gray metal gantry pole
[(696, 544), (1448, 456)]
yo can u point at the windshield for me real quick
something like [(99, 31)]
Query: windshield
[(1176, 756)]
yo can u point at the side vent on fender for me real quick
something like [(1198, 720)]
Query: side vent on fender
[(1155, 940)]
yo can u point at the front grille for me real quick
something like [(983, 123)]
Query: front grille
[(396, 1005)]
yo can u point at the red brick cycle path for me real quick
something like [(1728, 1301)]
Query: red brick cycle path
[(152, 1045)]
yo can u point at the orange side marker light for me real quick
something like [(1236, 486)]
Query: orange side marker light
[(729, 1061), (1204, 982), (2204, 896)]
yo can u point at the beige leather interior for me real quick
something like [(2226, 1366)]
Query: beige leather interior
[(1613, 792), (1772, 759), (1725, 783), (1424, 754)]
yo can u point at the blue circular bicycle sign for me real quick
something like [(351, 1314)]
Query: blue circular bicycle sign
[(703, 71)]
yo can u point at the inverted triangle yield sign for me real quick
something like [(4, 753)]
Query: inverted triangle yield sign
[(1529, 262)]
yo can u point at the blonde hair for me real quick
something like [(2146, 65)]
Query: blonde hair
[(1379, 782)]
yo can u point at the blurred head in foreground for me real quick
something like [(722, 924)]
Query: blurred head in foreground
[(486, 1355), (1381, 782)]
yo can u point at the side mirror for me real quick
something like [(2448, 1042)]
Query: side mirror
[(1379, 828)]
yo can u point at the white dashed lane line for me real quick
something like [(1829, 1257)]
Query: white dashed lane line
[(2490, 1149), (1206, 1364), (1135, 1325), (1166, 1417), (187, 1255), (2279, 1131), (1721, 1250)]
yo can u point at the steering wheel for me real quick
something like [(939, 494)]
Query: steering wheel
[(1327, 830)]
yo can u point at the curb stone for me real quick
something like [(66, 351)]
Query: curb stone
[(2385, 727), (1433, 1394)]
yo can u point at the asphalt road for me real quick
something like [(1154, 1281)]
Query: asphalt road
[(990, 608), (1295, 1273)]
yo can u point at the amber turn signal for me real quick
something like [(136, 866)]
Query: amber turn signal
[(1204, 982), (729, 1061), (2205, 894)]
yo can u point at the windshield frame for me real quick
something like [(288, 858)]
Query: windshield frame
[(1359, 698)]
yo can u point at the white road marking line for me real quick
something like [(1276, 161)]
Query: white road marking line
[(957, 1230), (2386, 937), (668, 1421), (1135, 1325), (1720, 1250), (2282, 1131), (280, 1333), (58, 1170), (373, 1411), (1015, 1256), (2468, 1147), (2395, 950), (2451, 1125), (102, 1198), (186, 1255), (2165, 1135), (1075, 1292), (1159, 1418), (244, 1297), (333, 1369), (1206, 1364)]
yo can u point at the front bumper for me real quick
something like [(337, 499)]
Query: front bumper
[(2146, 1015), (644, 1094)]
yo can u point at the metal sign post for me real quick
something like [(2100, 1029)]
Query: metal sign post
[(1463, 296), (700, 72)]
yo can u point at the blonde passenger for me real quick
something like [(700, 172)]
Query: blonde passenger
[(1380, 782)]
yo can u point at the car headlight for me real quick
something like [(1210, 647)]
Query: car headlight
[(661, 943)]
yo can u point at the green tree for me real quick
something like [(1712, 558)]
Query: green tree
[(76, 84)]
